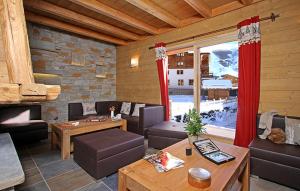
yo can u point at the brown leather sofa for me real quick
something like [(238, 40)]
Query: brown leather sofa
[(23, 123), (165, 134), (275, 162), (149, 115)]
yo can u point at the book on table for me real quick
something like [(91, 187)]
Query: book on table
[(210, 151)]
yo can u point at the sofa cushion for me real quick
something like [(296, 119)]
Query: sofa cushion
[(283, 154), (131, 120), (136, 111), (126, 108), (292, 127), (88, 108), (169, 129), (110, 142), (24, 126), (103, 107)]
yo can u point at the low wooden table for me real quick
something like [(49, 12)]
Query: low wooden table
[(233, 175), (61, 132)]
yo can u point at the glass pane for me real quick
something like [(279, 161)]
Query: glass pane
[(181, 84), (219, 77)]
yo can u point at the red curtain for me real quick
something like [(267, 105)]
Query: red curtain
[(249, 81), (162, 68)]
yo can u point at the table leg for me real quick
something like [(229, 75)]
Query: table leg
[(54, 139), (124, 125), (65, 146), (246, 177), (122, 181)]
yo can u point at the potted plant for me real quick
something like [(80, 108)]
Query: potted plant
[(194, 126)]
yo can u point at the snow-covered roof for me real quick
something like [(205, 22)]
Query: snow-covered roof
[(216, 84)]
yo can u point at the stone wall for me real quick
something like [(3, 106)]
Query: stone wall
[(76, 61)]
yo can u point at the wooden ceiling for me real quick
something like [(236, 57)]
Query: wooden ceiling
[(122, 21)]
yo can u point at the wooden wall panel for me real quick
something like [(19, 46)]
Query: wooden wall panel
[(280, 67)]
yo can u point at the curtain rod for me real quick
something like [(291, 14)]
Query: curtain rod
[(272, 17)]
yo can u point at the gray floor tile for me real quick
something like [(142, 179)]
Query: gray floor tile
[(57, 168), (45, 158), (70, 181), (259, 184), (111, 181), (151, 151), (32, 176), (27, 163), (39, 147), (36, 187), (97, 186)]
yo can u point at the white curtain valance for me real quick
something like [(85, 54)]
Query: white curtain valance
[(161, 52), (249, 34)]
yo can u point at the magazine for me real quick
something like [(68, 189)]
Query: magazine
[(164, 161)]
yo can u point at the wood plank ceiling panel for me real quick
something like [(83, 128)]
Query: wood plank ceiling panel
[(217, 3), (133, 11), (179, 8), (84, 11), (161, 15)]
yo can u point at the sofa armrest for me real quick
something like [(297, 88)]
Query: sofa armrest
[(151, 115)]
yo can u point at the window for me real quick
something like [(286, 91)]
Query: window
[(180, 54), (180, 82), (168, 82), (191, 82), (179, 63), (179, 72)]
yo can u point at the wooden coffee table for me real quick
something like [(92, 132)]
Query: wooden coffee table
[(62, 132), (233, 175)]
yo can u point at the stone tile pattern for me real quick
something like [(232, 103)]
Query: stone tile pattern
[(77, 61), (42, 174)]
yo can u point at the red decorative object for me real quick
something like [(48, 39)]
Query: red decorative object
[(249, 81), (162, 67)]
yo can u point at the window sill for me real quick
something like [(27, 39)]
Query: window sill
[(222, 133)]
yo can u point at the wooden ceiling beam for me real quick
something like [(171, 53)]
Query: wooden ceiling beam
[(200, 6), (155, 10), (71, 28), (78, 18), (103, 9), (246, 2)]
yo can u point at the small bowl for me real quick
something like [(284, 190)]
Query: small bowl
[(199, 177)]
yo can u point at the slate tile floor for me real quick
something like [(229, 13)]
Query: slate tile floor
[(45, 171)]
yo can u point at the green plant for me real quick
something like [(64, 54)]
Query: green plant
[(194, 125)]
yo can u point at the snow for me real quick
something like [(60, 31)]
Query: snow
[(223, 58), (220, 113), (216, 84)]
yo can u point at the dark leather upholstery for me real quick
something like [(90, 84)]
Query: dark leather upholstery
[(166, 134), (276, 162), (149, 115), (103, 153), (23, 122)]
